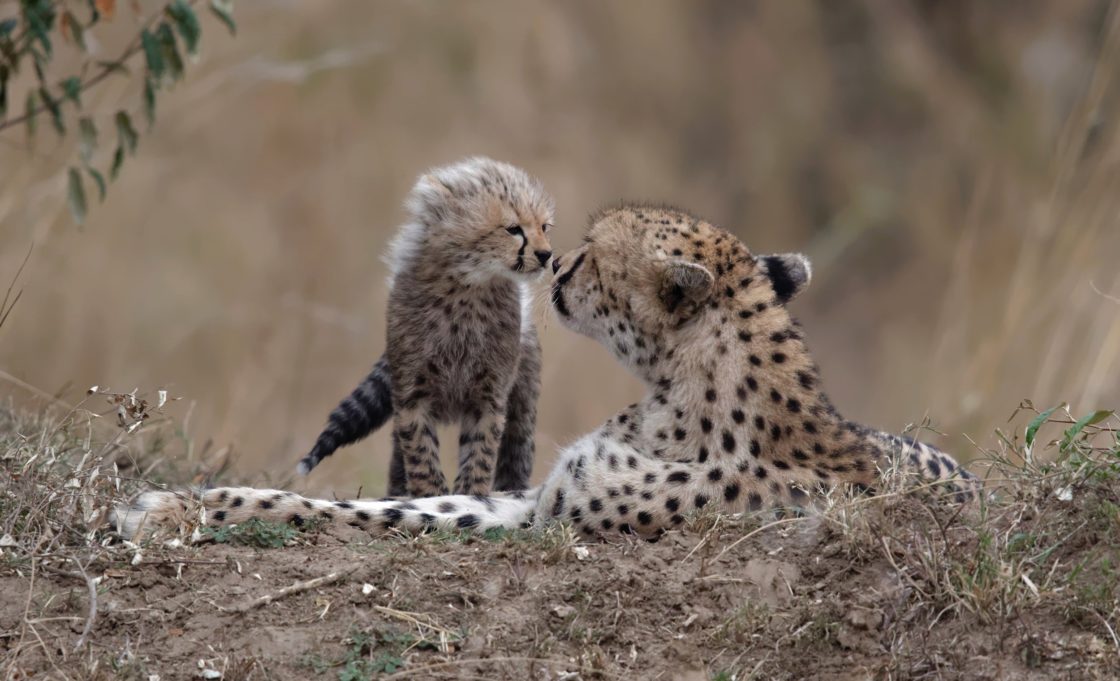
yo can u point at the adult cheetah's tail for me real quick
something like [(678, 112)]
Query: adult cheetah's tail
[(363, 411), (932, 465), (153, 512)]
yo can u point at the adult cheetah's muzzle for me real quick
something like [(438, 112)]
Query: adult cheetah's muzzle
[(558, 301)]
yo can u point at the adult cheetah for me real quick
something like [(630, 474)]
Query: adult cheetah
[(734, 415)]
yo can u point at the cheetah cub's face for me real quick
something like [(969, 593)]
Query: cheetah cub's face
[(651, 283), (495, 217)]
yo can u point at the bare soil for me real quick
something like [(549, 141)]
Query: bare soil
[(791, 602)]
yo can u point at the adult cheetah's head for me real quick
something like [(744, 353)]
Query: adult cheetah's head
[(494, 215), (647, 281)]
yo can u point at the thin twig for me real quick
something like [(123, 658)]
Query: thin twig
[(6, 309), (92, 616), (296, 588)]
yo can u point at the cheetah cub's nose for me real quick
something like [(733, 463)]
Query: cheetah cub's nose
[(543, 256), (556, 265)]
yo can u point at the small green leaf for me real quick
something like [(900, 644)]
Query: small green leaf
[(186, 21), (153, 54), (1036, 423), (126, 132), (87, 138), (99, 180), (118, 161), (7, 26), (39, 26), (171, 59), (54, 109), (3, 91), (76, 196), (149, 101), (223, 9), (39, 63), (1075, 429), (31, 110), (72, 89)]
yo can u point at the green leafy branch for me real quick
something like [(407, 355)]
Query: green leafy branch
[(29, 37)]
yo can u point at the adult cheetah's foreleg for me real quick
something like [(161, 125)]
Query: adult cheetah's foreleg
[(414, 432)]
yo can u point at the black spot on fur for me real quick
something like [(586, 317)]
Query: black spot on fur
[(219, 516), (678, 477), (466, 521), (672, 504), (265, 504), (728, 441), (731, 492), (644, 518)]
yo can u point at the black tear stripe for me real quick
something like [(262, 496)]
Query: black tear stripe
[(557, 288), (521, 252)]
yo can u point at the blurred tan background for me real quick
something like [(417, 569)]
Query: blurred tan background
[(952, 169)]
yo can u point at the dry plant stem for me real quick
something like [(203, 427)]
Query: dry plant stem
[(92, 616), (296, 588)]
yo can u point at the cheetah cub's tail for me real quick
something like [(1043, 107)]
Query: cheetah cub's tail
[(155, 512)]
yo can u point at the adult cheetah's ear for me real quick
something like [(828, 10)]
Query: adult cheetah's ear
[(685, 287), (789, 274)]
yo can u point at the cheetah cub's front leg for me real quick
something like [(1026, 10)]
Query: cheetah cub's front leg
[(414, 432), (480, 435)]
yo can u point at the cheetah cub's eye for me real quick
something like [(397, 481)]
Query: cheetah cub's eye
[(515, 230), (545, 227)]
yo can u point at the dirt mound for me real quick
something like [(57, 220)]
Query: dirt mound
[(898, 586)]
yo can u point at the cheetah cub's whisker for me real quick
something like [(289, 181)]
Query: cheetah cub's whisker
[(734, 417), (462, 345)]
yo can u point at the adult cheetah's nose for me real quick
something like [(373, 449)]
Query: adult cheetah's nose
[(543, 256), (556, 265)]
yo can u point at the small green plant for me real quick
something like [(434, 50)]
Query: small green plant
[(254, 532), (376, 651)]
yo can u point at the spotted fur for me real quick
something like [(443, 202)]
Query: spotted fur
[(734, 416), (461, 342)]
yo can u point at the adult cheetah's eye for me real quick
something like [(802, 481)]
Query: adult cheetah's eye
[(515, 230)]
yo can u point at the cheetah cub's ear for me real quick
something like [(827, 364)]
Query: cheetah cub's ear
[(685, 288), (789, 274)]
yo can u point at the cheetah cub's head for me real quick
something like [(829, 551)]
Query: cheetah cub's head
[(654, 283), (493, 217)]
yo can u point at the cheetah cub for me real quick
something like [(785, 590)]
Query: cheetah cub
[(461, 342)]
